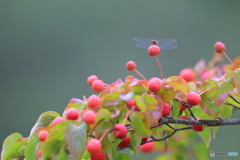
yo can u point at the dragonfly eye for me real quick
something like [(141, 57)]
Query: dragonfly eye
[(154, 42)]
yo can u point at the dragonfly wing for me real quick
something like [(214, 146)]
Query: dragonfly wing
[(143, 45), (167, 45), (166, 40)]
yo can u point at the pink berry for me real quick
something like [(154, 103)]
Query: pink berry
[(187, 74), (153, 50), (207, 74), (154, 84), (89, 117), (93, 101), (166, 110), (57, 120), (98, 85), (119, 131), (94, 146), (197, 128), (72, 114), (125, 142), (219, 47), (131, 65), (39, 154), (131, 103), (144, 139), (42, 135), (147, 147), (98, 156), (91, 79), (193, 98)]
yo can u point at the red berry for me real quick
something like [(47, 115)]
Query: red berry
[(125, 142), (93, 101), (98, 85), (147, 147), (144, 139), (91, 79), (57, 120), (39, 154), (193, 98), (89, 117), (94, 146), (119, 131), (166, 110), (182, 107), (98, 156), (72, 114), (154, 84), (197, 128), (131, 103), (207, 74), (42, 135), (153, 50), (131, 65), (187, 74), (219, 47)]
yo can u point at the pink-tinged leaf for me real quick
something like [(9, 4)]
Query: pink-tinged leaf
[(110, 98), (201, 65), (44, 120), (150, 102), (236, 78), (127, 96), (12, 145), (166, 93), (75, 137), (178, 83), (75, 103), (119, 82)]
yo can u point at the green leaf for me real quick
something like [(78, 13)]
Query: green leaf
[(111, 97), (55, 139), (103, 113), (44, 120), (139, 124), (206, 136), (166, 93), (236, 78), (75, 103), (76, 139), (175, 109), (135, 141), (63, 155), (31, 148), (121, 156), (12, 145), (150, 101), (138, 89), (201, 152)]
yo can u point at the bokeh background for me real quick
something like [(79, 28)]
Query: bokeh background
[(49, 48)]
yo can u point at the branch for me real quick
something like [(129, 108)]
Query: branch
[(200, 122)]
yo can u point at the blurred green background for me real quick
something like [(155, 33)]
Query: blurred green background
[(49, 48)]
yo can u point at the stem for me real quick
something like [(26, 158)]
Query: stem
[(104, 134), (140, 74), (159, 66), (227, 57), (126, 117), (205, 90)]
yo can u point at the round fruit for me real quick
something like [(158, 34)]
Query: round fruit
[(147, 147), (119, 131), (153, 50), (193, 98), (131, 65), (57, 120), (182, 107), (187, 74), (166, 110), (98, 156), (42, 136), (98, 85), (94, 145), (125, 142), (154, 84), (89, 117), (72, 114), (219, 47), (91, 79), (93, 101)]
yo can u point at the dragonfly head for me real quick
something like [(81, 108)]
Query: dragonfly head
[(154, 42)]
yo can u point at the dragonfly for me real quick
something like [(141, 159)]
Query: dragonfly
[(162, 43)]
